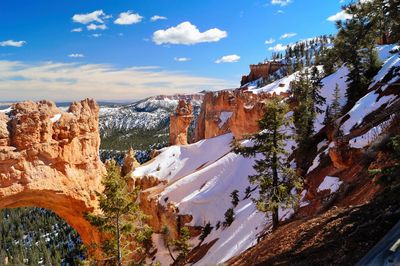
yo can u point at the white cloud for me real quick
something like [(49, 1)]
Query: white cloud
[(182, 59), (277, 48), (288, 35), (95, 16), (270, 41), (73, 81), (157, 17), (128, 18), (96, 35), (76, 55), (93, 26), (280, 12), (281, 2), (12, 43), (342, 15), (233, 58), (77, 30), (186, 33)]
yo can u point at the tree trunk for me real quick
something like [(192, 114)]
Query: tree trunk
[(275, 217), (118, 244)]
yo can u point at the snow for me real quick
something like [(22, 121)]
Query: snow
[(384, 51), (317, 160), (178, 161), (365, 139), (330, 183), (364, 106), (279, 86), (371, 101), (329, 84), (322, 144), (201, 177), (55, 118), (393, 61), (223, 117), (9, 109)]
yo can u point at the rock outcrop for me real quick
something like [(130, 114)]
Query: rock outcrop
[(180, 122), (262, 70), (130, 163), (50, 159), (230, 111)]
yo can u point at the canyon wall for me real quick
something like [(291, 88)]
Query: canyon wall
[(50, 159), (234, 111), (262, 70)]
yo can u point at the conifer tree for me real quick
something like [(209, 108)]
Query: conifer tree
[(121, 218), (355, 46), (273, 177), (235, 197)]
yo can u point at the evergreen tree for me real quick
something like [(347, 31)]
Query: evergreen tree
[(355, 46), (121, 217), (307, 101), (229, 217), (235, 197), (182, 245), (205, 232), (274, 178)]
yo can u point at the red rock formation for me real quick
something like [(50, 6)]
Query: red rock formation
[(179, 123), (262, 70), (50, 159), (229, 111)]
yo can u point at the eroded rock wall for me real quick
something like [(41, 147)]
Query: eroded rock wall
[(50, 158), (235, 111)]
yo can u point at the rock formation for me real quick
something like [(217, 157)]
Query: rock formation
[(262, 70), (229, 111), (180, 122), (50, 159), (130, 163)]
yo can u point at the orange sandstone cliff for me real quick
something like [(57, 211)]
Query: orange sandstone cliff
[(50, 159)]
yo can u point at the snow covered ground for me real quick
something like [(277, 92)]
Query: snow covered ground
[(201, 178)]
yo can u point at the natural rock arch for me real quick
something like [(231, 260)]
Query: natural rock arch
[(49, 158)]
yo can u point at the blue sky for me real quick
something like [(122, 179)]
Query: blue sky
[(128, 56)]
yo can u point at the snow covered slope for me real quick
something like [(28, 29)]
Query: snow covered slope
[(200, 178)]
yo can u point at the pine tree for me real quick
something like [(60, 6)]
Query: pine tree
[(307, 100), (121, 217), (229, 217), (235, 197), (355, 46), (182, 245), (273, 177), (205, 232), (317, 85)]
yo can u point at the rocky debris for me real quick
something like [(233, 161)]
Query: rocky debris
[(50, 159), (180, 122), (340, 236)]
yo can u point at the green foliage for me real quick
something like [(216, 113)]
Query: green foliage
[(273, 176), (355, 45), (139, 139), (205, 232), (182, 245), (235, 197), (229, 217), (121, 218), (305, 90), (395, 144), (29, 234), (334, 111)]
